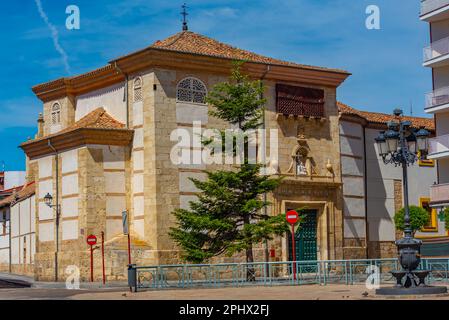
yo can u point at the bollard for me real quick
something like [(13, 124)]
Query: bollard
[(132, 277)]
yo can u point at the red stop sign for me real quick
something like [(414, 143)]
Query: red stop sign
[(91, 240), (292, 217)]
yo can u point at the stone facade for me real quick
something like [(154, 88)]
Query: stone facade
[(97, 181)]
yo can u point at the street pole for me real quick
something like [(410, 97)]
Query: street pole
[(294, 251), (404, 151), (102, 256)]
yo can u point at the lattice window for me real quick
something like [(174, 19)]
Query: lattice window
[(56, 114), (191, 90), (138, 96), (300, 101)]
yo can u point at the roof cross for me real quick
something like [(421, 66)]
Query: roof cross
[(184, 17)]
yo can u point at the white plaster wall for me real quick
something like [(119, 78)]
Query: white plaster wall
[(113, 228), (137, 182), (69, 207), (114, 182), (351, 129), (188, 113), (69, 184), (354, 228), (15, 250), (139, 228), (442, 120), (185, 185), (45, 167), (138, 163), (69, 230), (115, 206), (138, 113), (443, 165), (138, 203), (45, 187), (15, 222), (185, 200), (113, 157), (69, 161), (46, 231), (110, 98), (138, 138), (441, 76), (45, 212)]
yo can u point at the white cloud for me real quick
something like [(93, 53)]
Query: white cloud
[(54, 35)]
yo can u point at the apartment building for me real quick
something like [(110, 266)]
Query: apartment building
[(436, 56)]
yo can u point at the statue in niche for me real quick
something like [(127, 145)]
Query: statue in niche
[(301, 162)]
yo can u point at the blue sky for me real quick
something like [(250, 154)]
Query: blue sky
[(386, 64)]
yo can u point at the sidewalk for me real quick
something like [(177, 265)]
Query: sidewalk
[(26, 281)]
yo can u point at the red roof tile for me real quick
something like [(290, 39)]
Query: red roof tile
[(97, 119), (22, 193), (381, 118), (190, 42)]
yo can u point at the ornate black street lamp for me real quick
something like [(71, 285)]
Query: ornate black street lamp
[(400, 145)]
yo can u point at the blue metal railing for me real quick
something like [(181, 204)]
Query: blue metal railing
[(325, 272)]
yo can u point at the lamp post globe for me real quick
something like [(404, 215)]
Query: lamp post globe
[(48, 199), (422, 139)]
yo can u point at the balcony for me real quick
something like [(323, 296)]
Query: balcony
[(437, 101), (434, 10), (437, 54), (439, 195), (439, 147)]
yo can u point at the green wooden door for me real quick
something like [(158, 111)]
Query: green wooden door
[(306, 239)]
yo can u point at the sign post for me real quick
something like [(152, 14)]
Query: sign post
[(91, 241), (125, 222), (292, 218), (102, 257)]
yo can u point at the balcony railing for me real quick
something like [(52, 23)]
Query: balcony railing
[(439, 193), (436, 49), (437, 98), (428, 6), (439, 145)]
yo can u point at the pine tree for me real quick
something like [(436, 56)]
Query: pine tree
[(228, 217)]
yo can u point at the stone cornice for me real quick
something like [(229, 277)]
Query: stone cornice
[(163, 58), (77, 138)]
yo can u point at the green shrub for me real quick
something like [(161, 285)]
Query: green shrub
[(419, 217)]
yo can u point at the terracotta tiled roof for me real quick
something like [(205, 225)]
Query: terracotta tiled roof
[(22, 193), (381, 118), (190, 42), (97, 119)]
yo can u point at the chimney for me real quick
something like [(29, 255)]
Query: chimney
[(40, 126)]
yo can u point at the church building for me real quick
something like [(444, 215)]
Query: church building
[(103, 147)]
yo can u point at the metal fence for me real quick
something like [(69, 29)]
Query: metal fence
[(347, 272)]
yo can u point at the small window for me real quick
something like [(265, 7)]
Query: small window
[(56, 114), (138, 89), (433, 221), (191, 90)]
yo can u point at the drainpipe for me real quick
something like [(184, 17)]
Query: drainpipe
[(365, 186), (57, 207), (264, 155), (126, 94)]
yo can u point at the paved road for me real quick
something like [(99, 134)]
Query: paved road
[(309, 292)]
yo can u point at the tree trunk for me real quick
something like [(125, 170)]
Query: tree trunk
[(250, 272)]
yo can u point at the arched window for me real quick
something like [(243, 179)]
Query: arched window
[(138, 89), (56, 114), (191, 90)]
